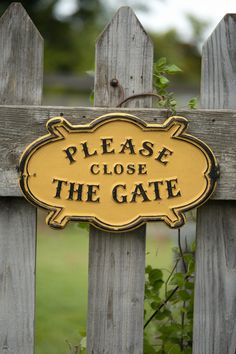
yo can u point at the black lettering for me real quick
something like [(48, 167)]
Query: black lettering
[(106, 170), (78, 191), (92, 169), (70, 151), (147, 149), (162, 154), (92, 192), (115, 192), (118, 169), (156, 188), (106, 144), (171, 187), (59, 187), (86, 150), (130, 169), (128, 145), (139, 192), (142, 169)]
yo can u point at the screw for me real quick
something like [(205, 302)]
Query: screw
[(114, 82)]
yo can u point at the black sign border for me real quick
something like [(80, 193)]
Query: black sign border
[(211, 173)]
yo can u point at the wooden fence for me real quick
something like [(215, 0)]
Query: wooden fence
[(116, 262)]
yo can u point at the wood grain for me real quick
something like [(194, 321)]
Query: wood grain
[(116, 292), (20, 83), (124, 53), (215, 289), (17, 276), (117, 261), (20, 125)]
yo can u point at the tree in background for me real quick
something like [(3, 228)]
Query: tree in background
[(186, 55), (70, 39)]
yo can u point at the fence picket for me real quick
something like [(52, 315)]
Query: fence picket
[(21, 48), (215, 289), (117, 261)]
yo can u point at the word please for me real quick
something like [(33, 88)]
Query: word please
[(120, 193), (127, 147)]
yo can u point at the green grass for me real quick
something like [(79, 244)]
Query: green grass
[(61, 286)]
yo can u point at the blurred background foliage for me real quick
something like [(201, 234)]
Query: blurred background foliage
[(70, 45), (69, 39)]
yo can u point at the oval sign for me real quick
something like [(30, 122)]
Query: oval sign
[(117, 172)]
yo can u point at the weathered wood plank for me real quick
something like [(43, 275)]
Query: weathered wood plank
[(21, 125), (17, 268), (218, 85), (215, 289), (115, 292), (20, 82), (215, 305), (123, 44), (117, 262)]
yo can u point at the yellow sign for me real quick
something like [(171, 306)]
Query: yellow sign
[(117, 172)]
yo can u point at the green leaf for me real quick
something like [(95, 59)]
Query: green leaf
[(173, 330), (191, 267), (173, 297), (82, 333), (172, 69), (184, 295), (189, 285), (154, 275), (158, 284), (148, 292), (193, 246), (190, 315), (178, 279), (173, 102), (148, 269), (192, 104), (91, 98), (188, 257), (163, 81), (83, 343), (155, 305), (162, 103), (175, 349), (147, 347), (163, 314), (161, 62), (183, 310)]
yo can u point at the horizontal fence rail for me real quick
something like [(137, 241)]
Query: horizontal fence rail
[(207, 125)]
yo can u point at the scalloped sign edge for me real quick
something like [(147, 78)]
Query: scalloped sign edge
[(53, 219)]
